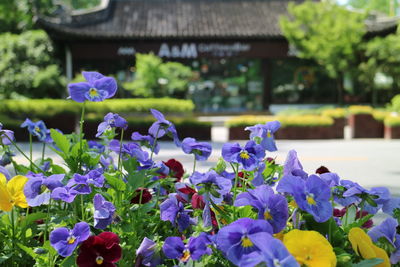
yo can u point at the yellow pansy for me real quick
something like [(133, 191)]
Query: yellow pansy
[(12, 192), (363, 246), (310, 248)]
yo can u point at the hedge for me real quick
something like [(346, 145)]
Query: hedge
[(286, 121), (356, 109), (392, 121), (335, 113), (43, 108)]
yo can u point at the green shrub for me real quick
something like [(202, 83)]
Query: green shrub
[(395, 103), (392, 121), (360, 109), (380, 115), (335, 113), (286, 121)]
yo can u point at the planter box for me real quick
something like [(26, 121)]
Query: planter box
[(338, 127), (365, 126), (312, 132), (392, 132)]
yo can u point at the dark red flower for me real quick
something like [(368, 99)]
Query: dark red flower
[(340, 213), (101, 250), (270, 160), (175, 168), (187, 190), (322, 170), (146, 196), (198, 202)]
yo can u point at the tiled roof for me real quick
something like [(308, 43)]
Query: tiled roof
[(148, 19)]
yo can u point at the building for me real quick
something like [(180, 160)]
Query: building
[(242, 59)]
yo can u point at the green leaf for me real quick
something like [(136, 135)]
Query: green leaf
[(68, 261), (61, 141), (368, 263), (3, 258), (350, 216), (137, 179), (115, 183), (32, 218), (58, 169)]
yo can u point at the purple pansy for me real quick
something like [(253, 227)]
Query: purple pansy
[(103, 212), (201, 150), (271, 207), (4, 171), (6, 136), (64, 241), (96, 146), (174, 248), (172, 210), (37, 129), (292, 165), (111, 120), (332, 179), (162, 127), (311, 195), (387, 230), (65, 194), (147, 253), (96, 88), (243, 237), (146, 140), (130, 149), (36, 191), (265, 132), (381, 196), (211, 185), (81, 183), (249, 156), (351, 194)]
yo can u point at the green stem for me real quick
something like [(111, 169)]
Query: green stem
[(120, 151), (81, 136), (13, 236), (194, 164), (82, 209), (22, 152), (43, 150), (236, 170), (30, 150), (46, 227), (155, 143), (7, 149)]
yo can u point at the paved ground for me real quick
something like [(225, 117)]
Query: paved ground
[(368, 162)]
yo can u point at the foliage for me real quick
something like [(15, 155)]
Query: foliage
[(42, 108), (153, 78), (286, 121), (27, 66), (15, 16), (325, 32), (383, 6), (393, 121), (335, 113), (357, 109), (380, 114), (395, 103)]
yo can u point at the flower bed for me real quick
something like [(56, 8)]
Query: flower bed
[(112, 203), (363, 123)]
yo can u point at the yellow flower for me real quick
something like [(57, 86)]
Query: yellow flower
[(310, 248), (363, 246), (12, 192)]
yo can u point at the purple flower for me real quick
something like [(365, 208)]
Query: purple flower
[(332, 179), (146, 140), (6, 136), (162, 127), (147, 253), (130, 149), (211, 185), (265, 133), (249, 156), (80, 183), (37, 129), (387, 230), (242, 237), (111, 120), (4, 171), (271, 207), (96, 146), (174, 248), (103, 212), (292, 165), (65, 241), (65, 194), (390, 206), (37, 189), (351, 194), (172, 210), (311, 195), (381, 195), (201, 150), (96, 88)]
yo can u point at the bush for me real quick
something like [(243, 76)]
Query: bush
[(286, 121), (335, 113), (392, 121), (360, 110), (380, 115), (395, 103)]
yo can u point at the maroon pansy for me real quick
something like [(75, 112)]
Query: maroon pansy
[(101, 250), (175, 168), (322, 170), (146, 196)]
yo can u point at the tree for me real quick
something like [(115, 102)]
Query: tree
[(27, 66), (385, 6), (153, 78), (326, 33)]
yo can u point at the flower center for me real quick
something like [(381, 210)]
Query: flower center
[(71, 239), (277, 263), (244, 155), (93, 92), (310, 199), (269, 135), (99, 260), (246, 242), (267, 215), (37, 129), (186, 255)]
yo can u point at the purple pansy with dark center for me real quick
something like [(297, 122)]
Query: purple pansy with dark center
[(65, 194), (37, 129), (249, 156), (147, 141), (103, 212), (242, 237), (96, 88), (81, 183), (130, 149), (147, 254), (162, 127), (172, 210), (387, 230), (211, 185), (37, 189), (64, 241), (271, 207), (174, 248), (6, 136), (311, 195), (265, 133), (111, 120), (201, 150)]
